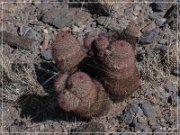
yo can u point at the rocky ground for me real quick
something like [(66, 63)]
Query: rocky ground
[(28, 70)]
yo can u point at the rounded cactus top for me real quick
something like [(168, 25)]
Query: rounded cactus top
[(65, 44), (121, 56), (101, 43), (80, 84)]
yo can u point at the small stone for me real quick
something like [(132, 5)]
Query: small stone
[(127, 116), (47, 54), (17, 41), (142, 127), (160, 6), (157, 17), (170, 87), (61, 17), (103, 20), (148, 110), (94, 127), (148, 37), (172, 13), (129, 113), (172, 17), (152, 122), (176, 71), (174, 99), (149, 27), (30, 33), (160, 21)]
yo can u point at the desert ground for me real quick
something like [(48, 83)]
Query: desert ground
[(28, 70)]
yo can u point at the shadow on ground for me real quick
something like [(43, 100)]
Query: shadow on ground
[(41, 108)]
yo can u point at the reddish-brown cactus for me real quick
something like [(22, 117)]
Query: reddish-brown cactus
[(131, 33), (121, 77), (78, 93), (67, 52), (88, 41), (101, 45)]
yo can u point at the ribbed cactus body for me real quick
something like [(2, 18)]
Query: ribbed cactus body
[(120, 77), (81, 95), (67, 52)]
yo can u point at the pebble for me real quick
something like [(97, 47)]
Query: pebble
[(150, 26), (103, 20), (148, 110), (172, 18), (148, 37), (170, 87), (30, 33), (160, 6), (142, 127), (64, 17), (174, 99), (157, 17), (90, 127), (176, 71), (47, 54), (17, 41), (129, 113), (160, 21), (127, 116)]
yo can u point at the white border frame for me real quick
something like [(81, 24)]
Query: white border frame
[(111, 1)]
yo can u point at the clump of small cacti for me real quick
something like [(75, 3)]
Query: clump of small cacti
[(80, 94), (67, 52), (120, 76), (77, 91)]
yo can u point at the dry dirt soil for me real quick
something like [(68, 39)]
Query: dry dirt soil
[(27, 94)]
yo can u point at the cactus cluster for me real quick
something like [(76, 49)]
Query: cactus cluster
[(80, 94), (83, 95)]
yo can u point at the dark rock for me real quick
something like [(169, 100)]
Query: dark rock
[(142, 128), (17, 41), (136, 109), (57, 18), (47, 54), (64, 17), (93, 127), (127, 116), (103, 20), (174, 99), (176, 71), (171, 16), (139, 57), (129, 113), (168, 118), (172, 12), (148, 37), (30, 33), (170, 87), (160, 6), (157, 17), (148, 110)]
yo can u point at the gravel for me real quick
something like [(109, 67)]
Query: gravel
[(170, 87), (148, 37), (148, 110), (94, 127)]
